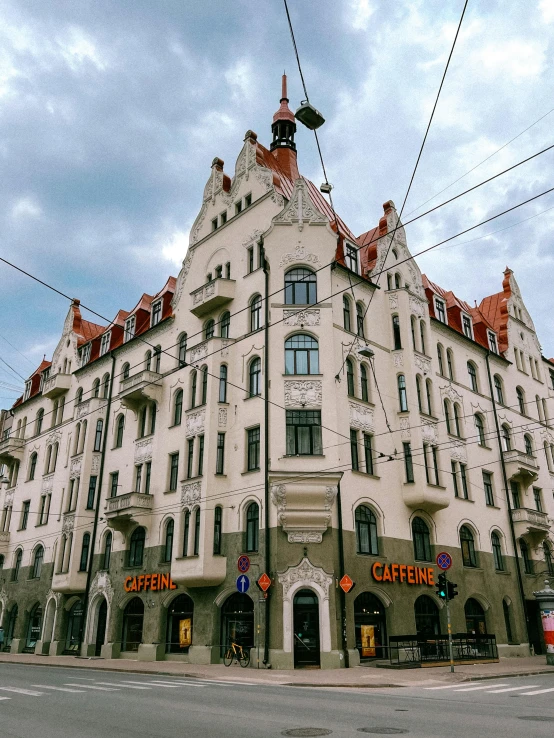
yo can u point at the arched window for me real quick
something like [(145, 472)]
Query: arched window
[(225, 325), (83, 436), (397, 281), (186, 529), (255, 313), (364, 383), (300, 287), (360, 319), (447, 415), (218, 529), (95, 388), (472, 371), (457, 425), (450, 363), (366, 531), (98, 436), (413, 325), (497, 552), (40, 418), (168, 542), (427, 619), (419, 393), (223, 383), (507, 621), (78, 397), (17, 564), (421, 540), (429, 394), (204, 372), (440, 357), (193, 382), (179, 624), (54, 457), (422, 334), (548, 560), (119, 427), (402, 396), (148, 360), (301, 355), (528, 445), (520, 394), (136, 548), (178, 407), (183, 350), (539, 408), (209, 329), (498, 389), (156, 359), (506, 438), (255, 377), (527, 560), (396, 332), (547, 456), (350, 378), (467, 544), (252, 526), (196, 548), (480, 428), (105, 385), (37, 562), (107, 550), (125, 369), (346, 316), (32, 466), (133, 617), (142, 421), (83, 563), (475, 617)]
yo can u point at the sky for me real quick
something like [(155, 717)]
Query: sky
[(111, 113)]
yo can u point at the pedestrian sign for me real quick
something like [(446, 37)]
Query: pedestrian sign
[(264, 582), (243, 583), (444, 560), (243, 563), (346, 584)]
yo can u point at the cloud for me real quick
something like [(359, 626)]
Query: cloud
[(547, 9), (360, 14), (26, 207)]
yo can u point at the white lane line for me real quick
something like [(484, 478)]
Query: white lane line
[(513, 689), (171, 686), (5, 698), (538, 691), (29, 692), (90, 686), (121, 684), (482, 686), (58, 689), (448, 686)]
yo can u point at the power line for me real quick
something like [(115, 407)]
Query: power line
[(16, 349), (12, 369)]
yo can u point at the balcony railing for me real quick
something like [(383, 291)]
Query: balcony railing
[(56, 385), (521, 466), (142, 387), (11, 449), (123, 510), (212, 295), (531, 524)]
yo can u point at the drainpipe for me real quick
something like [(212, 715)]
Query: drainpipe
[(511, 522), (97, 506), (266, 447), (342, 573)]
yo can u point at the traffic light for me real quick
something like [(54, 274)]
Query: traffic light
[(452, 590), (441, 586)]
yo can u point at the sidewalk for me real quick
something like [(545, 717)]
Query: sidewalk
[(358, 677)]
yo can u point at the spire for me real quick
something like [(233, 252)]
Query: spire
[(284, 124)]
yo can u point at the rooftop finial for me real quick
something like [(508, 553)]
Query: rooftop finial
[(284, 88)]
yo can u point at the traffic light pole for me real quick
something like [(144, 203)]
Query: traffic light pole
[(450, 647)]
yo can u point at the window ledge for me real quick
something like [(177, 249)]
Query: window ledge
[(438, 486), (250, 471), (482, 445), (170, 492), (250, 397), (472, 568), (184, 558), (365, 474), (454, 437), (463, 499), (294, 376), (303, 456), (502, 572), (376, 555), (493, 507), (191, 479), (220, 475)]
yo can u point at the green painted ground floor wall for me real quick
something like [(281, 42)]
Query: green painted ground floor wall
[(215, 617)]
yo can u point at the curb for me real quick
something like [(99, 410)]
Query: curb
[(480, 678)]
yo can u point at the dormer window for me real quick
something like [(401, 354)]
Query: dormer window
[(492, 342), (27, 390), (248, 200), (130, 324), (223, 218), (440, 311), (351, 257), (238, 207), (218, 272), (105, 343), (156, 313), (85, 357), (467, 326)]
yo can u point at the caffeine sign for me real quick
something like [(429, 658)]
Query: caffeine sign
[(403, 573), (150, 582)]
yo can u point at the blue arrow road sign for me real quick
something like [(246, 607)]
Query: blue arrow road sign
[(243, 583)]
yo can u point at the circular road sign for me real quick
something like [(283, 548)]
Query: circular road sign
[(243, 564), (444, 560)]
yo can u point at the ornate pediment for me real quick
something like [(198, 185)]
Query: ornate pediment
[(300, 209), (302, 393), (306, 573)]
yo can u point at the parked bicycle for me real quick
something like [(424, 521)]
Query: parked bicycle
[(236, 652)]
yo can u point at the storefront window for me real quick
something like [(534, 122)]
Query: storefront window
[(179, 625), (10, 627), (34, 628), (370, 626), (237, 621), (427, 617), (133, 617), (422, 542), (475, 617), (74, 627)]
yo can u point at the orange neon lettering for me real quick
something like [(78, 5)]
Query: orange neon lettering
[(423, 576), (134, 585), (386, 574), (140, 582), (154, 582), (165, 581), (147, 581), (171, 585), (411, 579), (430, 576), (403, 568), (394, 569), (126, 584), (377, 577)]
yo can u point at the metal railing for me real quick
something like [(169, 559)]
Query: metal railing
[(415, 650)]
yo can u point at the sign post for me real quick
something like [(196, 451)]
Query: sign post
[(444, 562)]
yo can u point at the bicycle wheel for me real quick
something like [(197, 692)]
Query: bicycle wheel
[(228, 657), (244, 658)]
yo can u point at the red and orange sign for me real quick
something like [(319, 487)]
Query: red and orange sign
[(346, 584), (403, 573), (150, 582), (264, 582)]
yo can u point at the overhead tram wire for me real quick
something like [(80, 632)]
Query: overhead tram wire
[(16, 349), (12, 369)]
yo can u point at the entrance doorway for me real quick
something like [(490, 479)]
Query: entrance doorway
[(74, 623), (533, 613), (306, 629), (475, 617), (34, 628), (101, 627), (427, 617), (12, 617), (370, 626), (133, 617), (237, 622)]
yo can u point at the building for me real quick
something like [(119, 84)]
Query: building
[(279, 399)]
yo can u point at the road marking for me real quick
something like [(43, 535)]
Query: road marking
[(482, 686), (448, 686), (5, 698), (22, 691), (121, 684), (58, 689), (90, 686), (171, 686), (513, 689), (538, 691)]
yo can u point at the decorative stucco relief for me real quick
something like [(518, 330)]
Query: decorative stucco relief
[(303, 392), (195, 423), (405, 429), (222, 417), (398, 358), (299, 254), (143, 450), (190, 493), (101, 584), (301, 317), (198, 352), (458, 452), (75, 467), (393, 301), (417, 307), (423, 364), (361, 417), (47, 483), (449, 391), (300, 208), (181, 279), (429, 432), (68, 523), (305, 571), (95, 464)]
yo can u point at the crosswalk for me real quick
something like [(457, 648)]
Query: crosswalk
[(87, 685), (525, 690)]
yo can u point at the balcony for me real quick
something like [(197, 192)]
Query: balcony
[(205, 570), (11, 449), (146, 386), (4, 541), (521, 467), (426, 497), (124, 510), (70, 582), (531, 524), (56, 385), (211, 296)]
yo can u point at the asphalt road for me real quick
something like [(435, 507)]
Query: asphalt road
[(55, 703)]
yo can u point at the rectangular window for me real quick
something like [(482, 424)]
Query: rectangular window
[(368, 451), (454, 466), (138, 478), (129, 328), (156, 312), (105, 343), (304, 432), (220, 454), (248, 200), (200, 455), (91, 493), (250, 257), (463, 475), (238, 207), (186, 528), (260, 255), (214, 224), (440, 311), (551, 378), (223, 217), (435, 454), (114, 483), (27, 390), (41, 514), (408, 462), (354, 449), (253, 449), (25, 514), (492, 342), (516, 498), (190, 457), (73, 494), (487, 486), (197, 532), (426, 462), (173, 471), (466, 324), (148, 475), (538, 499), (85, 357), (351, 257), (218, 524)]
